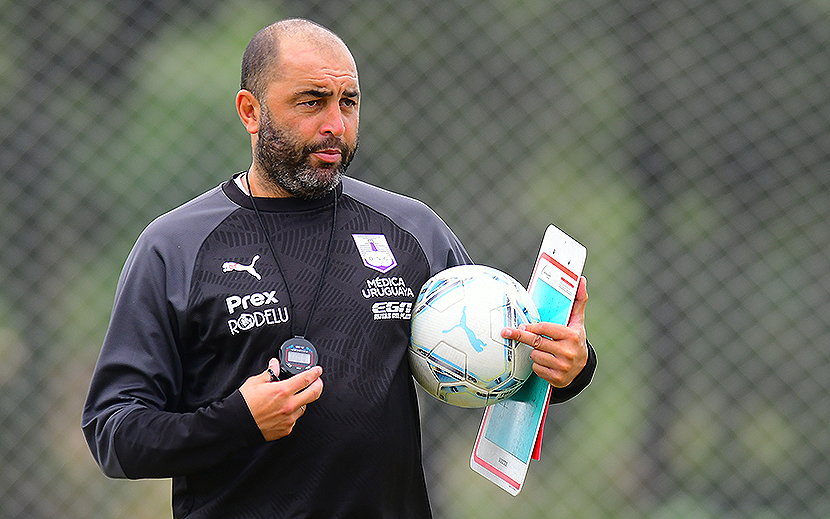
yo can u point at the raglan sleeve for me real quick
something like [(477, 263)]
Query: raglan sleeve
[(440, 244), (129, 419)]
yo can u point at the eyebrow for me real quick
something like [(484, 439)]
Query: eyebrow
[(322, 93)]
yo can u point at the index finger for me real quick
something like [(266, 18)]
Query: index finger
[(533, 333), (301, 381)]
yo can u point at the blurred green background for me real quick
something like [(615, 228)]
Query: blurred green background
[(684, 142)]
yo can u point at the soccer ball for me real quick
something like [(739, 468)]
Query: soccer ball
[(456, 350)]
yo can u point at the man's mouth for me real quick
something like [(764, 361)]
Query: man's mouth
[(328, 155)]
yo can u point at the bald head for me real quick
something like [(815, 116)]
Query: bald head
[(262, 58)]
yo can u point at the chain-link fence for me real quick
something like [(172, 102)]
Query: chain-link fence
[(684, 142)]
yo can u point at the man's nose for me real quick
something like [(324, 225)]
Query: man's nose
[(334, 122)]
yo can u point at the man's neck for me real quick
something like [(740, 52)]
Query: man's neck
[(251, 183)]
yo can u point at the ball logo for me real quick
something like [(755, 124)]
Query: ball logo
[(475, 342)]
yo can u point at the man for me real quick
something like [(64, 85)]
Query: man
[(188, 382)]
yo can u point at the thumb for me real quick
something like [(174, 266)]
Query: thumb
[(577, 316), (273, 370)]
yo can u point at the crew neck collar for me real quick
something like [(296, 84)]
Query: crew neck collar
[(268, 204)]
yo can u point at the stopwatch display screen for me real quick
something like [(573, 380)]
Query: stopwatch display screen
[(297, 355)]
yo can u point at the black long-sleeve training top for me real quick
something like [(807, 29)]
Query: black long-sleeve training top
[(201, 306)]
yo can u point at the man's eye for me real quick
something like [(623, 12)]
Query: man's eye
[(311, 102), (349, 102)]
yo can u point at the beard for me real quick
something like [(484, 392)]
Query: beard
[(285, 161)]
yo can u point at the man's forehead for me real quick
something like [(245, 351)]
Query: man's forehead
[(312, 65), (309, 71)]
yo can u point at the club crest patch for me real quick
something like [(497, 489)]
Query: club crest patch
[(375, 252)]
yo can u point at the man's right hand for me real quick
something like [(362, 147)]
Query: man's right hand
[(276, 406)]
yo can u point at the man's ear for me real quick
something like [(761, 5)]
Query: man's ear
[(247, 106)]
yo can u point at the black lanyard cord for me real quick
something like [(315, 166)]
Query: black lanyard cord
[(326, 260)]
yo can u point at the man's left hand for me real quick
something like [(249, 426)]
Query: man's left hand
[(559, 352)]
